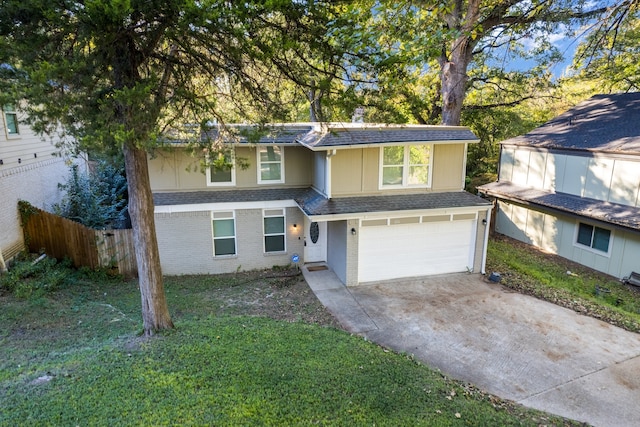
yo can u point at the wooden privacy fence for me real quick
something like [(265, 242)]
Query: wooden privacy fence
[(59, 238)]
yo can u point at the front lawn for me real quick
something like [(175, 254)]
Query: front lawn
[(249, 349)]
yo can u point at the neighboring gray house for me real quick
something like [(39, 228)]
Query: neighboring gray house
[(372, 202), (28, 171), (572, 186)]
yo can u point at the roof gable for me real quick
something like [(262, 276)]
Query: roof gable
[(608, 123)]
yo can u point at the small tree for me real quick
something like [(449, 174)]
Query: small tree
[(97, 199)]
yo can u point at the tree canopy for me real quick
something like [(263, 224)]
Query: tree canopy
[(115, 75)]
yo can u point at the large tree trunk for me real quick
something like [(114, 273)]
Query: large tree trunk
[(453, 66), (454, 81), (155, 312)]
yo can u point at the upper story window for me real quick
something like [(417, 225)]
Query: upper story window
[(405, 166), (270, 164), (11, 120), (593, 237), (221, 171)]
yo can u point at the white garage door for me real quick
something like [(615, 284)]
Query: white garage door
[(407, 250)]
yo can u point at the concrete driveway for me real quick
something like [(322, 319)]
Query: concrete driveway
[(508, 344)]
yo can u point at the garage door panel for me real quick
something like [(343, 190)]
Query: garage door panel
[(406, 250)]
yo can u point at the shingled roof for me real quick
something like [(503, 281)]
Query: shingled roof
[(319, 136), (610, 213), (608, 123), (315, 204), (354, 134)]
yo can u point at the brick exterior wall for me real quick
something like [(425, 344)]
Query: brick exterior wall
[(37, 183), (185, 241)]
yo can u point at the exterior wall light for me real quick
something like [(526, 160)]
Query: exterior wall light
[(353, 231)]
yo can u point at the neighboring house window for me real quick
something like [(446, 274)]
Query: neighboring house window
[(593, 237), (405, 166), (224, 233), (11, 120), (221, 171), (270, 164), (274, 230)]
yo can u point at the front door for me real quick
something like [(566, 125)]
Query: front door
[(315, 241)]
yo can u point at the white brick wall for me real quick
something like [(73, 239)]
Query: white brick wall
[(186, 243), (37, 183)]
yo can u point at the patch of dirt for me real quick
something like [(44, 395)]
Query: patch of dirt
[(278, 294)]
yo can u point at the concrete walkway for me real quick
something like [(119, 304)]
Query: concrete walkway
[(508, 344)]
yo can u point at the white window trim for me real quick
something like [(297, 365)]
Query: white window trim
[(229, 215), (222, 184), (5, 122), (259, 163), (405, 169), (283, 215), (589, 248)]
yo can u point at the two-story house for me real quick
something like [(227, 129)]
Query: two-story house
[(28, 171), (372, 202), (572, 186)]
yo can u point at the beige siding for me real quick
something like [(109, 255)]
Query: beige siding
[(357, 171), (346, 172), (448, 160), (175, 170)]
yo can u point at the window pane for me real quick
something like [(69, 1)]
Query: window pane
[(220, 174), (584, 234), (274, 243), (12, 123), (418, 175), (601, 239), (224, 246), (274, 225), (393, 156), (270, 172), (223, 228), (419, 154), (392, 175), (270, 154)]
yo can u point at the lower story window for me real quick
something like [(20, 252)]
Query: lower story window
[(224, 233), (274, 230), (593, 237)]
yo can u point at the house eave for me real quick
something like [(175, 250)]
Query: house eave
[(541, 207)]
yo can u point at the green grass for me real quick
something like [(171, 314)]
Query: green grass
[(74, 357), (565, 283)]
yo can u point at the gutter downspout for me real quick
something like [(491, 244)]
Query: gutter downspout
[(486, 241)]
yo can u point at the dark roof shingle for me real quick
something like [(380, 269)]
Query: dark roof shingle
[(314, 204), (226, 196), (602, 123), (346, 135), (612, 213)]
